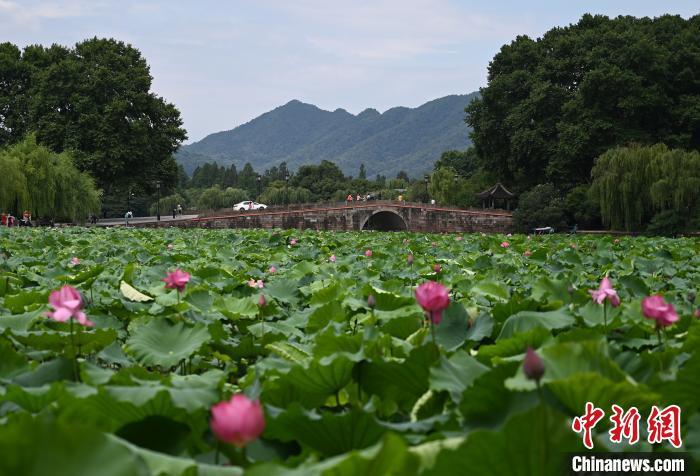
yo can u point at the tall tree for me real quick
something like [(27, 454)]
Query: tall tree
[(95, 100), (554, 104), (321, 180), (363, 173), (230, 178), (247, 180), (463, 162)]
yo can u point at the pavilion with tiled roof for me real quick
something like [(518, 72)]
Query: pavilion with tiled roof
[(496, 195)]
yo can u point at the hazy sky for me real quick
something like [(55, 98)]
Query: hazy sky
[(225, 62)]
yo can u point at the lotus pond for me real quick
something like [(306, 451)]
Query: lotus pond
[(348, 383)]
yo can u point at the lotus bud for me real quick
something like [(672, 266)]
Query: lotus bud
[(533, 365), (371, 301)]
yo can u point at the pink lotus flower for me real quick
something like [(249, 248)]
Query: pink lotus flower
[(505, 244), (696, 313), (509, 235), (74, 261), (262, 301), (527, 253), (237, 421), (368, 253), (605, 291), (67, 304), (409, 258), (293, 242), (616, 241), (272, 269), (332, 259), (656, 308), (573, 246), (433, 298), (170, 246), (437, 268), (533, 367), (256, 284), (178, 279), (458, 238)]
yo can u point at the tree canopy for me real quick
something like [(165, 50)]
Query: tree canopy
[(555, 103), (45, 183), (93, 99), (634, 185)]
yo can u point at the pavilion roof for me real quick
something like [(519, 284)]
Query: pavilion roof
[(497, 191)]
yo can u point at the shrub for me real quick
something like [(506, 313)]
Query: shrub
[(538, 207)]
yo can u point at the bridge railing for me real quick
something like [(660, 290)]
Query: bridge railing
[(343, 204)]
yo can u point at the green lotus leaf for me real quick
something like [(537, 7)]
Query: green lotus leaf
[(526, 320), (161, 343)]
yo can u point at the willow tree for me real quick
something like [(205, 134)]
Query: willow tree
[(13, 185), (634, 184), (284, 195), (46, 183)]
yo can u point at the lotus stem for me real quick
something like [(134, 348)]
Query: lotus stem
[(605, 317), (76, 374)]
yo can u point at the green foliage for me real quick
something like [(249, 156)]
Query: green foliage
[(635, 184), (345, 388), (283, 195), (46, 183), (93, 99), (321, 180), (581, 208), (211, 199), (233, 196), (463, 162), (444, 187), (554, 104), (167, 204), (447, 187), (540, 207)]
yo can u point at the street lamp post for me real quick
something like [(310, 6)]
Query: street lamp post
[(259, 185), (128, 200), (286, 192), (158, 201), (427, 197)]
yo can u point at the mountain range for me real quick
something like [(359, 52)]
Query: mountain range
[(401, 138)]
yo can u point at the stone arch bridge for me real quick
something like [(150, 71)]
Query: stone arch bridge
[(371, 215)]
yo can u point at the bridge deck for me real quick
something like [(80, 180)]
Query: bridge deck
[(374, 204)]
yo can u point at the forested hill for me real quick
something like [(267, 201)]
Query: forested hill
[(297, 133)]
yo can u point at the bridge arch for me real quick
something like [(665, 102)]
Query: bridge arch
[(384, 220)]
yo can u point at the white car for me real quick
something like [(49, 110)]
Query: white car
[(249, 205)]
